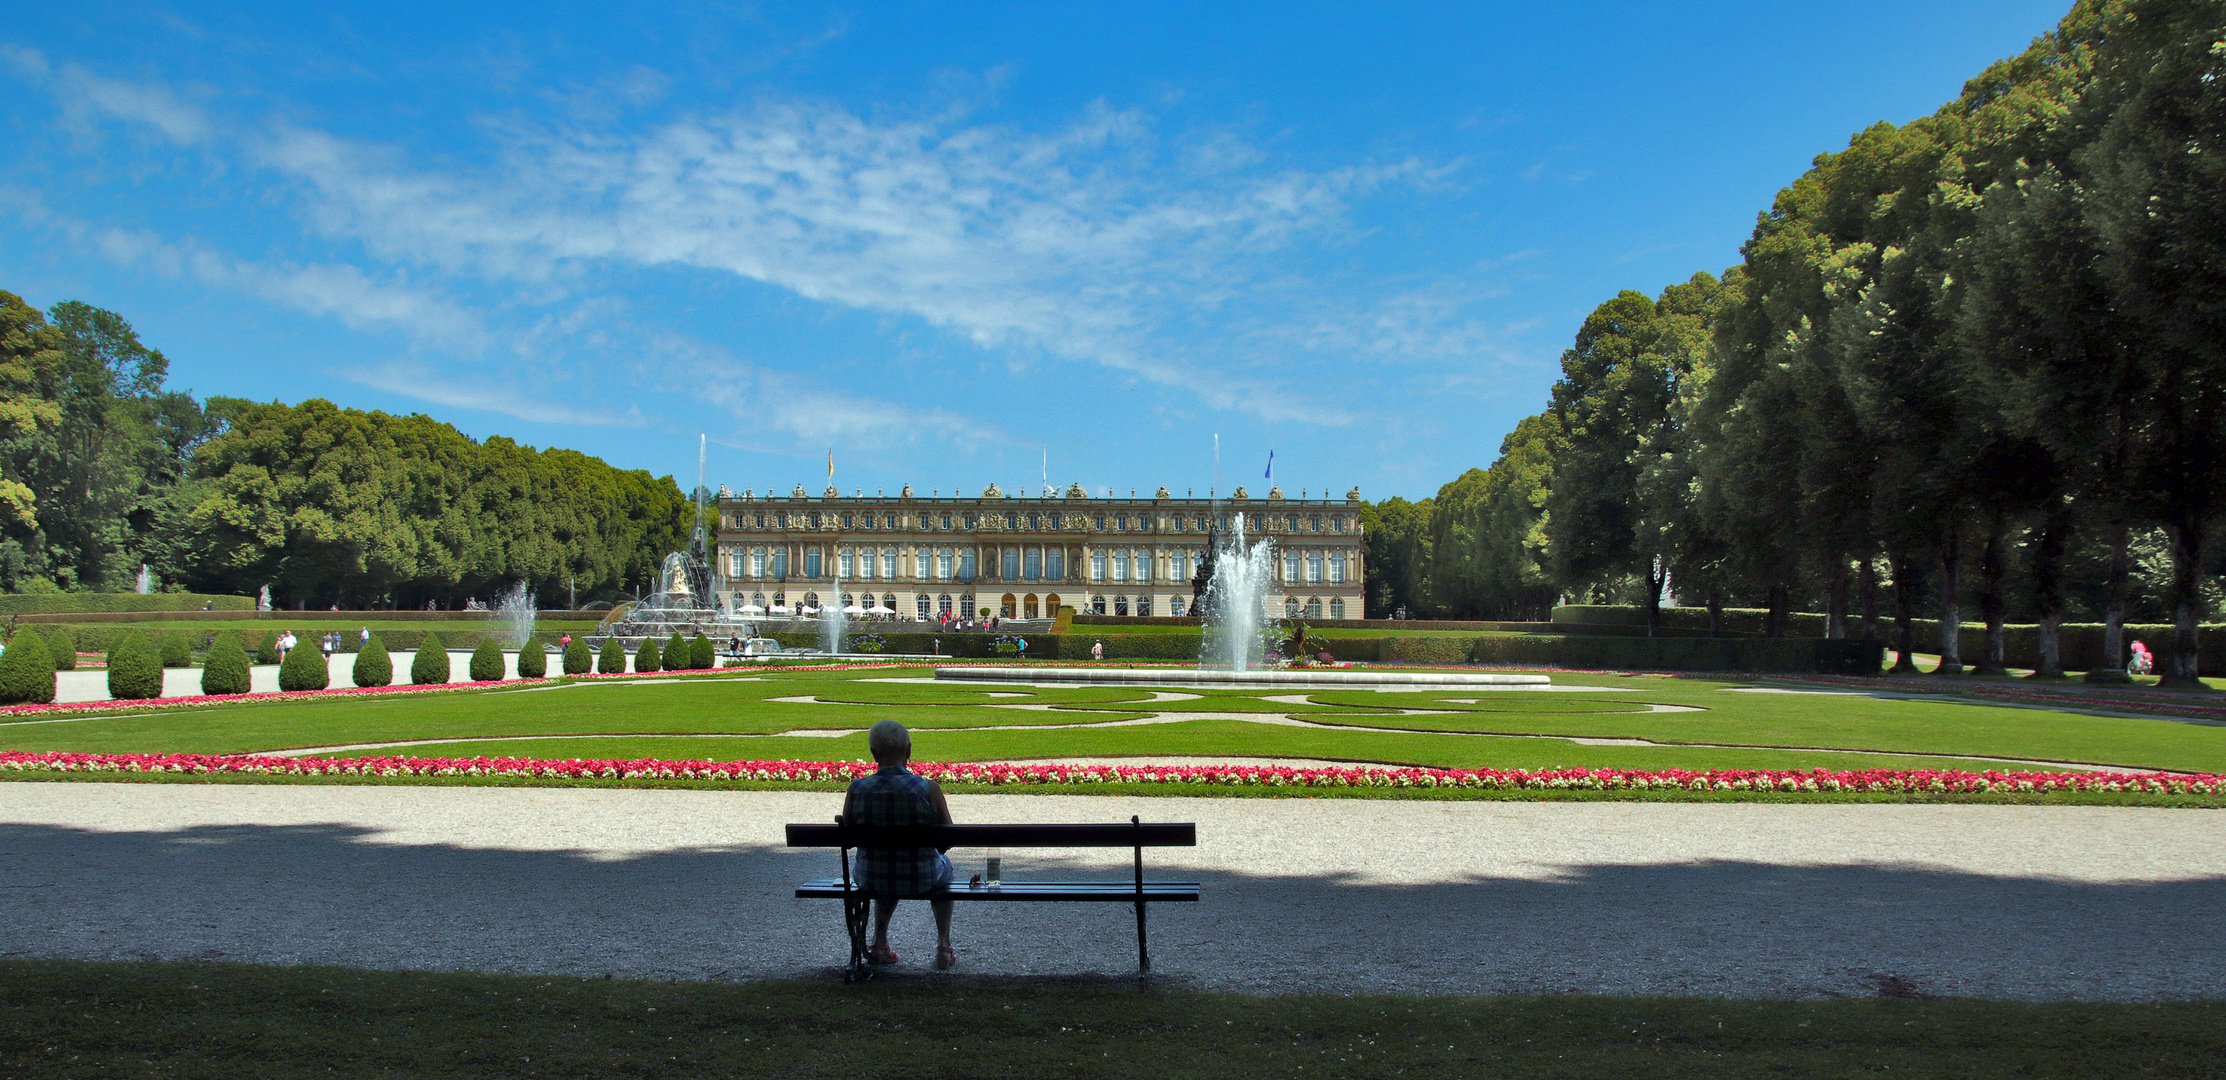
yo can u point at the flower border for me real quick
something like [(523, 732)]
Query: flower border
[(1814, 781)]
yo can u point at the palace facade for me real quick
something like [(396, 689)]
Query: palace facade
[(1023, 556)]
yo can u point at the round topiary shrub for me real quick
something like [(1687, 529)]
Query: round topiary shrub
[(267, 652), (27, 671), (675, 652), (701, 655), (224, 671), (304, 669), (612, 660), (533, 660), (62, 646), (134, 671), (177, 649), (373, 666), (486, 661), (646, 658), (430, 666), (577, 659)]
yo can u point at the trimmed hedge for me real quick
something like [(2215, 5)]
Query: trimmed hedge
[(646, 658), (611, 660), (674, 654), (27, 671), (374, 667), (533, 660), (304, 669), (224, 670), (702, 655), (177, 649), (134, 671), (579, 660), (62, 646), (72, 603), (486, 662), (265, 653), (430, 666)]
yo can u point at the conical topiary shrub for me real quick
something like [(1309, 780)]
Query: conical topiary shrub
[(701, 655), (646, 658), (577, 659), (177, 649), (224, 670), (486, 661), (62, 646), (533, 660), (267, 652), (675, 652), (134, 671), (27, 671), (612, 660), (430, 666), (304, 669), (373, 666)]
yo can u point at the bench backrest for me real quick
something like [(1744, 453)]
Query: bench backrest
[(1147, 834)]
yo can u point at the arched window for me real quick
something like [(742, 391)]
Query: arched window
[(757, 562), (1097, 567), (922, 565), (966, 564), (943, 565), (1120, 605), (1011, 568), (811, 601), (1009, 606), (1120, 566), (1290, 607), (735, 563), (1336, 607), (865, 565), (889, 601), (889, 563), (1313, 566), (1337, 568), (1051, 606), (1028, 606), (757, 600), (926, 607), (1313, 607), (1144, 566), (1033, 569), (1143, 605), (943, 604), (966, 606), (1097, 605), (1175, 607), (847, 602), (780, 604), (1290, 566), (811, 562), (845, 566), (1055, 564), (780, 562)]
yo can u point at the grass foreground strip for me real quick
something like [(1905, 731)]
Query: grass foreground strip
[(82, 1019), (1175, 779)]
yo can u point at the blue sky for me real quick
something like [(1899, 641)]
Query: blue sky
[(938, 238)]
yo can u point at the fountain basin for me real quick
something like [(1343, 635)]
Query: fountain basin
[(1195, 677)]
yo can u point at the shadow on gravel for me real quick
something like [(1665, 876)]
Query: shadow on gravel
[(335, 895)]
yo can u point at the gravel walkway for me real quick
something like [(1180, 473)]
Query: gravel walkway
[(1327, 895)]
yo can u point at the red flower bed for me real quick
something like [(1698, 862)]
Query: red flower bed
[(1817, 781)]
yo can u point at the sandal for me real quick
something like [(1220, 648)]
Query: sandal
[(881, 956), (945, 957)]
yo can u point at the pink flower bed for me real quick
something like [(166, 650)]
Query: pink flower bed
[(240, 699), (1818, 781)]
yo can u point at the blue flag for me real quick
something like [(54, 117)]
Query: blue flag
[(1270, 474)]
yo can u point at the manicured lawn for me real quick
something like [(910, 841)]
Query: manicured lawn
[(69, 1019), (745, 717)]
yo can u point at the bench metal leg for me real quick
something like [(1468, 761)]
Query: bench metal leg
[(1143, 958), (856, 910)]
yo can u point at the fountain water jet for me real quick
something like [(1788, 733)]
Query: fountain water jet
[(514, 614), (1235, 620)]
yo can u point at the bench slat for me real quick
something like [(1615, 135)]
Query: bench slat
[(1149, 834), (1154, 891)]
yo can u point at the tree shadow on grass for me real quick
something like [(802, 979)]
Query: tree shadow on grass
[(338, 894)]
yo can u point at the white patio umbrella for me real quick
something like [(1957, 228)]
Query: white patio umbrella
[(854, 610), (751, 609)]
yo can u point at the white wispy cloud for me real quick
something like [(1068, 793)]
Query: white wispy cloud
[(433, 385), (84, 96)]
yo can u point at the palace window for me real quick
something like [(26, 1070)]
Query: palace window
[(1290, 566), (966, 606), (865, 565), (867, 521), (1100, 520), (966, 565), (1120, 605), (924, 523), (1336, 607), (811, 601), (757, 562), (1012, 521), (1175, 607), (1033, 566), (889, 602), (1182, 524), (847, 602), (1337, 568), (1009, 566), (780, 602), (761, 521), (888, 521), (757, 600), (946, 521), (1314, 523), (889, 566), (922, 564), (846, 521), (1314, 566), (943, 604), (1290, 607), (1097, 605), (1009, 607), (780, 562), (1313, 607), (926, 607), (1035, 521), (1143, 566), (815, 519), (1055, 564), (972, 521), (1340, 522), (811, 562), (734, 565), (1120, 566), (1291, 523), (1120, 522), (1178, 568), (843, 564), (943, 564), (1097, 567), (1057, 520), (780, 520), (1143, 605)]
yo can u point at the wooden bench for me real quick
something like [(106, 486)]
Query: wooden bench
[(1136, 834)]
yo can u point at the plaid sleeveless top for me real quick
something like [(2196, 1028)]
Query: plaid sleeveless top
[(893, 796)]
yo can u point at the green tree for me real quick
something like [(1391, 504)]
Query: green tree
[(224, 670), (675, 652), (304, 669), (63, 646), (430, 666), (1395, 538), (267, 652), (373, 666), (577, 659), (702, 656), (646, 658), (177, 650), (612, 659), (26, 671), (486, 661), (533, 659), (134, 671)]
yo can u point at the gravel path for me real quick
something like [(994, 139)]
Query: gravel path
[(1334, 895)]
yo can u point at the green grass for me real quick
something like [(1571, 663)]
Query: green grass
[(741, 717), (69, 1019)]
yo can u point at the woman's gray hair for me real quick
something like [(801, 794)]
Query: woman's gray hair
[(889, 741)]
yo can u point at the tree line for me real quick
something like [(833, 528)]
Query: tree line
[(104, 469), (1976, 359)]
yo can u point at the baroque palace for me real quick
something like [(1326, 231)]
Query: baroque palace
[(1023, 556)]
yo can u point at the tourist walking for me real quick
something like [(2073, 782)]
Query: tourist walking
[(1097, 650)]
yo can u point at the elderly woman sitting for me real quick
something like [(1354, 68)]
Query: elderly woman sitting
[(894, 795)]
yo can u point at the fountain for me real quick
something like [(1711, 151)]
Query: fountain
[(683, 601), (514, 614), (831, 620), (1232, 608), (146, 583)]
